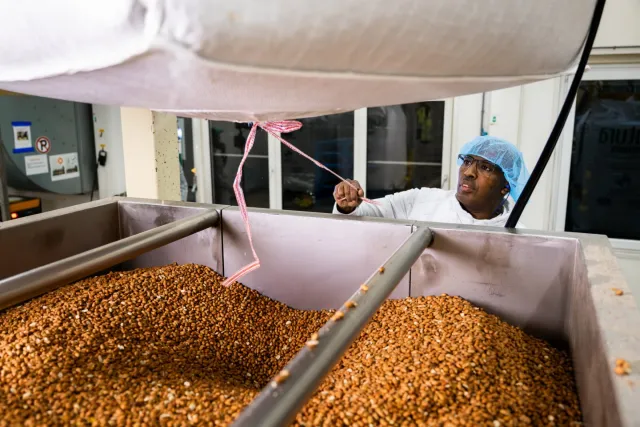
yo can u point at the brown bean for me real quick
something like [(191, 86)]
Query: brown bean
[(171, 346), (338, 315)]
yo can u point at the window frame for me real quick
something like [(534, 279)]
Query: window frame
[(202, 160), (562, 166), (205, 181), (360, 145)]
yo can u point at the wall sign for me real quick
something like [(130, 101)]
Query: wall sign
[(43, 144), (64, 166), (22, 137), (36, 165)]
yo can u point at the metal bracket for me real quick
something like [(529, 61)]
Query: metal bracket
[(278, 406)]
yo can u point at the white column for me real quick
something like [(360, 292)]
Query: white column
[(360, 147), (151, 165), (202, 161), (275, 173)]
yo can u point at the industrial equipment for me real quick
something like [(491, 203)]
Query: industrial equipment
[(20, 207), (48, 144), (568, 302)]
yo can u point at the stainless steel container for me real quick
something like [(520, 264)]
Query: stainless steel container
[(553, 285)]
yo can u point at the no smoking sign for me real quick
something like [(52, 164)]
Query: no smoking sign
[(43, 145)]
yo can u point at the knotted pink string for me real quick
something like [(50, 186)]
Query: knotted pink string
[(275, 129)]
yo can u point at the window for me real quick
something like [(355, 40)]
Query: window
[(227, 146), (387, 149), (328, 139), (604, 187), (404, 147)]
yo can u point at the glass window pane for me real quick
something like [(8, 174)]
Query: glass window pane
[(604, 187), (328, 139), (227, 147), (404, 147)]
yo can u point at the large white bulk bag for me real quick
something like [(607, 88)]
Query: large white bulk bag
[(256, 60)]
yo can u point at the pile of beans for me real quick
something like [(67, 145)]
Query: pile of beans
[(171, 346), (441, 361)]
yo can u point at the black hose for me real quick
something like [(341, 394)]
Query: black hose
[(547, 151), (94, 185)]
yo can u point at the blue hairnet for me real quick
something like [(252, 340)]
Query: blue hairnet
[(503, 154)]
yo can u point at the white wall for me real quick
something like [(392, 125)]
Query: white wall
[(111, 180), (620, 26), (525, 115), (150, 142), (465, 126)]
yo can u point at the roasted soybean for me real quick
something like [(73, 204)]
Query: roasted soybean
[(440, 361), (172, 346), (166, 345)]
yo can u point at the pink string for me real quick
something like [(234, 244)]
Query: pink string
[(275, 129)]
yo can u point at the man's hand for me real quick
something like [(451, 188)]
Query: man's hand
[(348, 198)]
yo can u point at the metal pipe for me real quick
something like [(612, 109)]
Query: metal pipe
[(277, 406), (32, 283)]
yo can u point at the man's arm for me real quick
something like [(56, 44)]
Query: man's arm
[(395, 206)]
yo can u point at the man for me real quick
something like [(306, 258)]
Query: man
[(490, 170)]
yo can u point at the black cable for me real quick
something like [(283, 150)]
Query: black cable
[(94, 185), (547, 151)]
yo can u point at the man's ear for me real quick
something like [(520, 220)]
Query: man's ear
[(505, 190)]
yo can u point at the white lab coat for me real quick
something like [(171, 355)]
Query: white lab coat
[(427, 204)]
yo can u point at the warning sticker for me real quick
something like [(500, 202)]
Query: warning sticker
[(43, 144), (64, 166), (36, 165), (22, 137)]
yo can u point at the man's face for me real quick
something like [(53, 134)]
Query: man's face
[(481, 185)]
